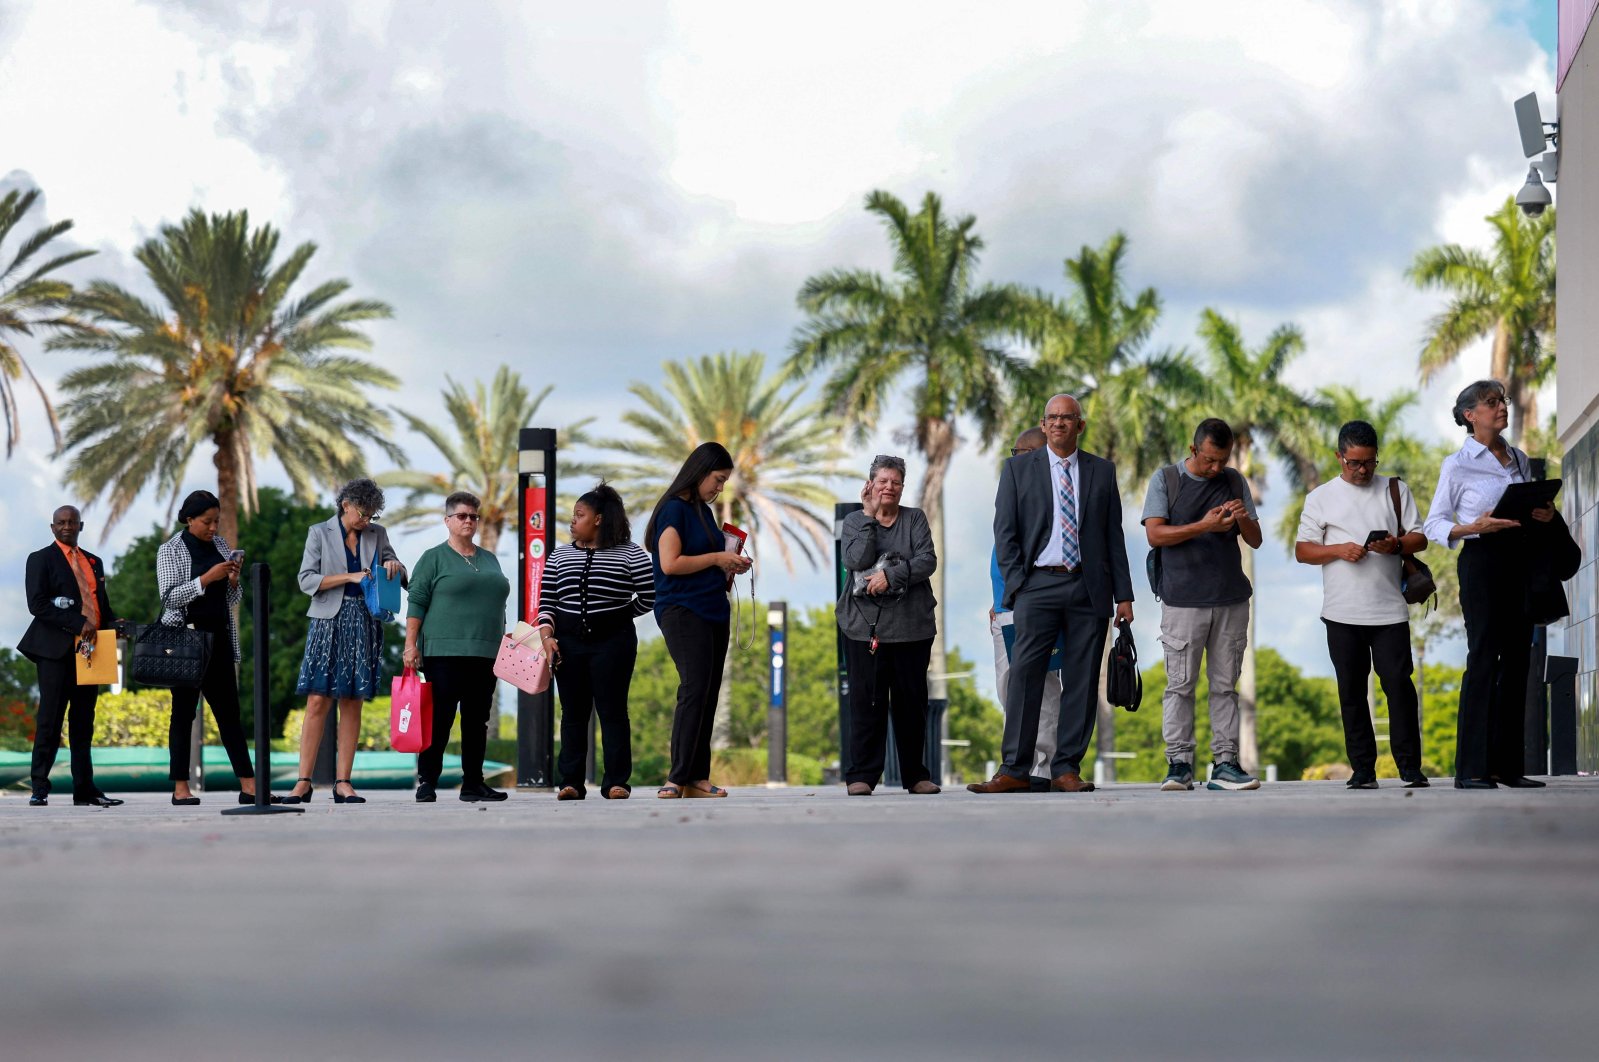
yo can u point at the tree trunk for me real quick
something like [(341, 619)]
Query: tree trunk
[(722, 724), (1248, 749), (489, 536), (938, 446), (1105, 732), (227, 465), (1499, 366)]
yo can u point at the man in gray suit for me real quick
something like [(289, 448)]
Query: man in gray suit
[(1058, 534)]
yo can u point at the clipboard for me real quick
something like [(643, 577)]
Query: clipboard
[(101, 668), (388, 589), (1520, 499)]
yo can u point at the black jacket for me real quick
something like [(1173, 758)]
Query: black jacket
[(1024, 519), (54, 631), (1553, 556)]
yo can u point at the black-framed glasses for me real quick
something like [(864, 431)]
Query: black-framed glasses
[(466, 516), (1492, 401), (1062, 418), (1359, 466)]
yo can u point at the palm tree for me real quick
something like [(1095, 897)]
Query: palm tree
[(228, 359), (1135, 400), (931, 322), (1270, 420), (786, 451), (1508, 293), (482, 457), (29, 300)]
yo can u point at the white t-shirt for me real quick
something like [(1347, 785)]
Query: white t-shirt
[(1367, 591)]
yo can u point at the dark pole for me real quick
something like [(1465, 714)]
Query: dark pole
[(1561, 674), (841, 580), (1535, 727), (260, 609), (777, 695), (535, 712)]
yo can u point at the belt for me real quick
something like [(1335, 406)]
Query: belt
[(1058, 569)]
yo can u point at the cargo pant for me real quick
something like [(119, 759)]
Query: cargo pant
[(1050, 714), (1220, 635)]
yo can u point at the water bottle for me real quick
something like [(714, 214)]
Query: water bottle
[(64, 602)]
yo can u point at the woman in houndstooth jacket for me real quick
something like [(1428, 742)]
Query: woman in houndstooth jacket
[(199, 583)]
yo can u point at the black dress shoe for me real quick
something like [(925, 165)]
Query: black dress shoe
[(1475, 783), (272, 798), (185, 802), (99, 800), (1362, 780), (1520, 781), (474, 792), (39, 800), (426, 793), (1416, 781)]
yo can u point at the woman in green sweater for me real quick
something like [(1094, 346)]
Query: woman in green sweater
[(454, 622)]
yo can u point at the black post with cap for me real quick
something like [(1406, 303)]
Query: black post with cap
[(260, 609)]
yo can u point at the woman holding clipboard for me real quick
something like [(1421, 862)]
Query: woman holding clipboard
[(1494, 555)]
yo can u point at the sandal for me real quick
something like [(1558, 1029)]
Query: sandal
[(569, 793), (695, 791), (617, 792), (668, 792)]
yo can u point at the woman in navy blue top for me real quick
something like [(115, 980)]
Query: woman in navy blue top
[(692, 566)]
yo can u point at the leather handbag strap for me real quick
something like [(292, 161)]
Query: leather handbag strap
[(1393, 495)]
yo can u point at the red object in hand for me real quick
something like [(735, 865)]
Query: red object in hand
[(733, 539), (410, 713)]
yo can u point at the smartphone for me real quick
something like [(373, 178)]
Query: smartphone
[(1375, 536), (236, 557)]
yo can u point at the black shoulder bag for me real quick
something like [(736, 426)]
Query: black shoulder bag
[(169, 657), (1124, 686), (1415, 578)]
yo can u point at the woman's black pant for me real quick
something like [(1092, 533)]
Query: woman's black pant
[(593, 675), (699, 649), (1355, 649), (467, 684), (1493, 694), (890, 682), (221, 689)]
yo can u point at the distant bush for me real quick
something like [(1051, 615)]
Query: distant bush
[(16, 726), (374, 735), (140, 719)]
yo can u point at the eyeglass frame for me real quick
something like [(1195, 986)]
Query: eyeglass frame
[(465, 516)]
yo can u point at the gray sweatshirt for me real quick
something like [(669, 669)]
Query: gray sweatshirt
[(906, 617)]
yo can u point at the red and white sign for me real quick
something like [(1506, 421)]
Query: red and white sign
[(535, 547)]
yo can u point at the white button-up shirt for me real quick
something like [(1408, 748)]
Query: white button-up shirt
[(1055, 553), (1470, 482)]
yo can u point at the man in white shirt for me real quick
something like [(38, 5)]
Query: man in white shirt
[(1353, 529)]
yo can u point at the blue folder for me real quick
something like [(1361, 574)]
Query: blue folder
[(388, 589)]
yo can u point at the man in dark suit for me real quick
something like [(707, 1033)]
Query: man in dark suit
[(1058, 535), (66, 594)]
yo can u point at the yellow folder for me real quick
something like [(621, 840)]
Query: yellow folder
[(101, 668)]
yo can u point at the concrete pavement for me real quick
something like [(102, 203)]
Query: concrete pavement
[(1300, 921)]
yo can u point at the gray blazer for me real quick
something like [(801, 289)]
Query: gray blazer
[(1024, 519), (324, 555)]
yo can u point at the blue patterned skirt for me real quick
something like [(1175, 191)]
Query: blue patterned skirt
[(343, 655)]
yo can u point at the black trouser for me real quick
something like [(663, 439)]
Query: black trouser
[(593, 675), (59, 690), (221, 689), (1047, 604), (466, 683), (699, 649), (891, 682), (1355, 649), (1493, 693)]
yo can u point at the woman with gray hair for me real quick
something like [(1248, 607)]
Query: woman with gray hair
[(1493, 579), (886, 614), (345, 641)]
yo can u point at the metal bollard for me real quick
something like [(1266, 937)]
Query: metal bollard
[(260, 609)]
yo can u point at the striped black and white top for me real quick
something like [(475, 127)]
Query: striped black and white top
[(596, 588)]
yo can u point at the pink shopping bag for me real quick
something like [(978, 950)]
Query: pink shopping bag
[(410, 713), (524, 667)]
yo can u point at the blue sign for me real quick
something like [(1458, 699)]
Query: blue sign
[(775, 638)]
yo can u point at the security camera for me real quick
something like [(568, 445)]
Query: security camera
[(1533, 197)]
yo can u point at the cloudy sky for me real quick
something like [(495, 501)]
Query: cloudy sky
[(584, 193)]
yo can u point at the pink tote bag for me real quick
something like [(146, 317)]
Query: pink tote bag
[(521, 665), (410, 713)]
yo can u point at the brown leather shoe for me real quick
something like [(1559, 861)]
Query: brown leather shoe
[(1001, 783), (1071, 782), (859, 789), (925, 788)]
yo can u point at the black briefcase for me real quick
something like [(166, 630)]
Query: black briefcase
[(1124, 686)]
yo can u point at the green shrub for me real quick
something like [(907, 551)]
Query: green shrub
[(140, 719), (374, 735)]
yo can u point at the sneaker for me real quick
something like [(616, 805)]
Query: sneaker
[(426, 794), (1228, 775), (1179, 776), (1362, 780), (1415, 780), (473, 792)]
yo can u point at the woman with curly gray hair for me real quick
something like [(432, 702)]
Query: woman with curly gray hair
[(345, 641)]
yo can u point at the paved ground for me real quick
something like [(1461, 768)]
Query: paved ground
[(1300, 921)]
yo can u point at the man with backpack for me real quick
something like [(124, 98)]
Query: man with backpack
[(1194, 514)]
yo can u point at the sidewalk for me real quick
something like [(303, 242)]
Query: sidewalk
[(1302, 920)]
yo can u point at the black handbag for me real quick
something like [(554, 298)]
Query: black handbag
[(1124, 686), (1415, 578), (169, 657)]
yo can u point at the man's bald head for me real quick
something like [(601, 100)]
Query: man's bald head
[(65, 524), (1031, 439)]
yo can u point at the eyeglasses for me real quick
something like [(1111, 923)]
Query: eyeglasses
[(465, 516), (1492, 401), (1359, 466), (1017, 451), (1061, 418)]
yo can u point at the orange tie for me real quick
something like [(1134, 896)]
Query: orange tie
[(85, 576)]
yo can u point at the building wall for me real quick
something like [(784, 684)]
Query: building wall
[(1577, 382)]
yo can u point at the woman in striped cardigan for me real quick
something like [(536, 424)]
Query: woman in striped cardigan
[(591, 592)]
